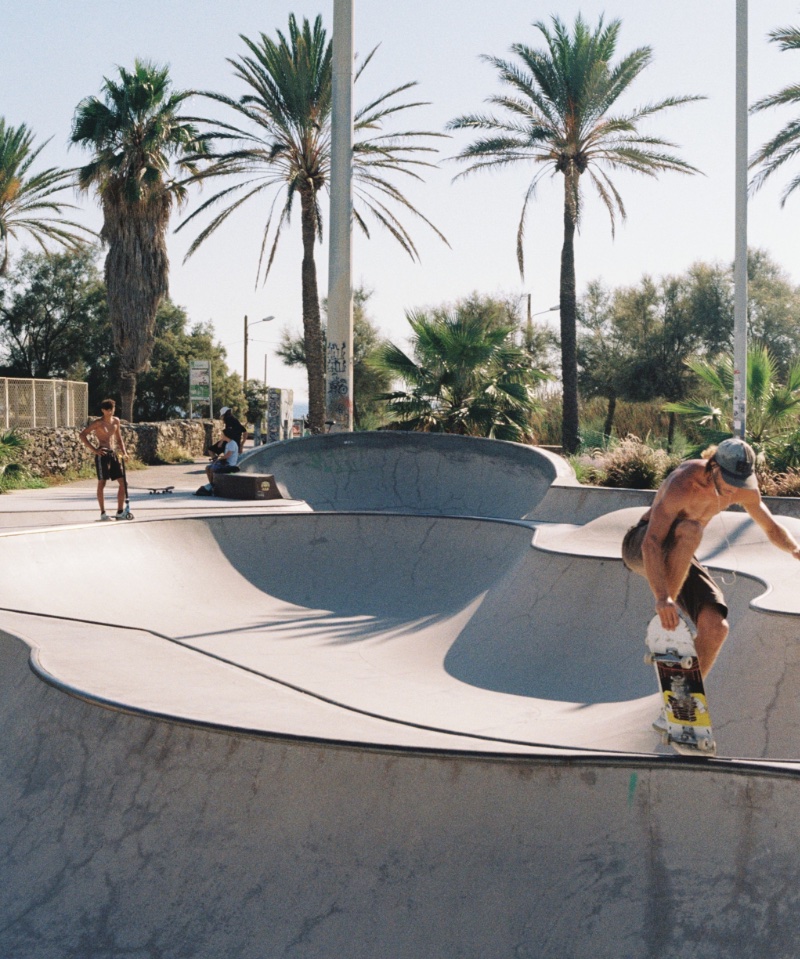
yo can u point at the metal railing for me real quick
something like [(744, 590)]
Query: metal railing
[(26, 404)]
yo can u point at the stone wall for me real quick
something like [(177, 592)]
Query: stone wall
[(52, 451)]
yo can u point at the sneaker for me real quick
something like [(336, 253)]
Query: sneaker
[(660, 724), (104, 518), (120, 514), (203, 491)]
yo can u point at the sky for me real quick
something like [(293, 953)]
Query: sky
[(53, 53)]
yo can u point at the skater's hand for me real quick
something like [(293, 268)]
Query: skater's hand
[(668, 613)]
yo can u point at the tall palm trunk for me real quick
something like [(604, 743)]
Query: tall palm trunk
[(312, 328), (569, 348), (612, 409), (137, 279)]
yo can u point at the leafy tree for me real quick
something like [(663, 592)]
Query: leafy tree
[(285, 146), (368, 381), (772, 406), (773, 308), (557, 117), (164, 389), (604, 353), (785, 145), (54, 322), (50, 305), (28, 201), (466, 375), (137, 139)]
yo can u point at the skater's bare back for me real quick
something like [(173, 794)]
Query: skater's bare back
[(696, 493)]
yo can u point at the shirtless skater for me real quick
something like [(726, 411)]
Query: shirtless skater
[(107, 450), (662, 545)]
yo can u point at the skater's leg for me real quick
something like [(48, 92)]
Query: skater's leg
[(712, 631), (685, 537)]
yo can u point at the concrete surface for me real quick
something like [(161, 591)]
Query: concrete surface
[(246, 732), (412, 473), (76, 502)]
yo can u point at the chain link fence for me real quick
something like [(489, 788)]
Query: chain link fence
[(26, 404)]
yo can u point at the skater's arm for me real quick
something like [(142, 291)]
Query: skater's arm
[(777, 535), (84, 434), (654, 555), (118, 433)]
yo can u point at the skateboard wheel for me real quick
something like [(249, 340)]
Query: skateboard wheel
[(687, 662), (707, 745), (665, 740), (649, 658)]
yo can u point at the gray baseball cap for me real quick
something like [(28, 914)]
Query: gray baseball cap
[(737, 462)]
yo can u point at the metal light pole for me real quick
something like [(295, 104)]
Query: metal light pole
[(339, 360), (246, 328), (529, 323), (740, 262)]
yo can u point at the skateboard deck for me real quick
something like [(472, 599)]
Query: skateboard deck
[(154, 489), (673, 654)]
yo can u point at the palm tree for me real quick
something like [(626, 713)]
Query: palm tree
[(27, 198), (772, 406), (785, 145), (466, 376), (285, 146), (136, 133), (556, 117)]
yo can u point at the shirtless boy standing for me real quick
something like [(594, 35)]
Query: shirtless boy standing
[(661, 546), (109, 446)]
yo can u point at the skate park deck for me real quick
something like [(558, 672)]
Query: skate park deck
[(399, 732)]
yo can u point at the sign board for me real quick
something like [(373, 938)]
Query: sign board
[(200, 381)]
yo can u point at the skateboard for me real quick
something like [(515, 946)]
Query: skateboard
[(154, 489), (688, 723)]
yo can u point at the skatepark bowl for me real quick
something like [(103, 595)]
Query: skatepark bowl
[(411, 721)]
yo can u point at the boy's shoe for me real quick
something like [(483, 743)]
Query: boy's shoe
[(660, 724), (120, 514), (204, 491), (104, 518)]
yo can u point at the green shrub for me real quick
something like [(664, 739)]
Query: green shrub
[(780, 484), (171, 453), (11, 472), (626, 464)]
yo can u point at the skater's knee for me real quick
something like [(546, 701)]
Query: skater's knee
[(713, 624)]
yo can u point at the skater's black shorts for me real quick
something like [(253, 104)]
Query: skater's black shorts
[(699, 589), (108, 466)]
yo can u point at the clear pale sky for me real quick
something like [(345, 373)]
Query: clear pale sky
[(55, 52)]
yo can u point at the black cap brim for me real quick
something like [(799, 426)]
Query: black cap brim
[(742, 482)]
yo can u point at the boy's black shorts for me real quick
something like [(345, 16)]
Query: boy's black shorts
[(108, 467)]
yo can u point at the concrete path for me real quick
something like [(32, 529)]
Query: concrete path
[(76, 502), (386, 733)]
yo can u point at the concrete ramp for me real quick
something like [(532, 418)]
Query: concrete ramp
[(124, 835), (325, 735), (412, 473)]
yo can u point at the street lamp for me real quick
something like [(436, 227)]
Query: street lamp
[(247, 326)]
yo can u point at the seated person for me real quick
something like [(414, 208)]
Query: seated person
[(232, 427), (225, 462)]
